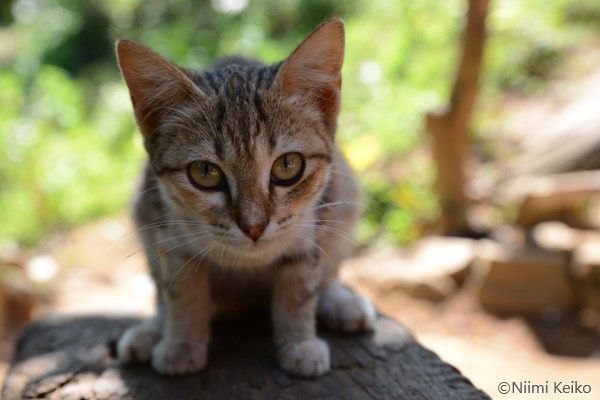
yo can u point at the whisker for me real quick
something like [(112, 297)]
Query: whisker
[(335, 221), (314, 243), (203, 251), (335, 171), (188, 234), (334, 203), (338, 232)]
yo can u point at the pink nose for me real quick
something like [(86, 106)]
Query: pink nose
[(254, 232)]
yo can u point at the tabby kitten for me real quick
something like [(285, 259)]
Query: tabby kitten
[(245, 197)]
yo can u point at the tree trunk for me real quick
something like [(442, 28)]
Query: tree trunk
[(73, 358), (450, 129)]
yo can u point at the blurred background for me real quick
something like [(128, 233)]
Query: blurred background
[(493, 262)]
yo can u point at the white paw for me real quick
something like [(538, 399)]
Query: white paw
[(309, 358), (343, 310), (177, 357), (137, 343)]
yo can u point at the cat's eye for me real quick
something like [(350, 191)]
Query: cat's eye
[(206, 175), (287, 169)]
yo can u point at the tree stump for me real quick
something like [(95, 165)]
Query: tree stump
[(74, 358)]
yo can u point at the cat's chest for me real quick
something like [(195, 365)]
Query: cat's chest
[(232, 290)]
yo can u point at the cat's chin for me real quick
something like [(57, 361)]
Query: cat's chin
[(247, 255)]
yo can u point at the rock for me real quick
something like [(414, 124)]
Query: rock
[(42, 268), (522, 280), (585, 267), (555, 236), (508, 234), (432, 270), (446, 256), (432, 288), (392, 271)]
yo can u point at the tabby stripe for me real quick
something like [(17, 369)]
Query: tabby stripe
[(211, 82), (259, 108)]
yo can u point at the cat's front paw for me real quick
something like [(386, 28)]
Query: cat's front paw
[(308, 358), (137, 343), (179, 357), (343, 310)]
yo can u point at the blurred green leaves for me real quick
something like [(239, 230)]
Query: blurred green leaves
[(69, 150), (62, 163)]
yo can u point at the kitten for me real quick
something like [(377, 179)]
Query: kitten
[(245, 197)]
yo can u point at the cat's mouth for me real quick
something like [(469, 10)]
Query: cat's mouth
[(262, 244)]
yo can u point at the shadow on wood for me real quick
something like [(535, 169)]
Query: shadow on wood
[(73, 358)]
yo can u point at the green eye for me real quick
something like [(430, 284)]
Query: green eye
[(205, 175), (287, 169)]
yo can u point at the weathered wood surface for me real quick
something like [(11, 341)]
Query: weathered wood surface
[(559, 197), (73, 358)]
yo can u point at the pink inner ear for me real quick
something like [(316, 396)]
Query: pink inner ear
[(154, 83)]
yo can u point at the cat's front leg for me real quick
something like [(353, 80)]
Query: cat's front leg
[(299, 350), (136, 344), (186, 330)]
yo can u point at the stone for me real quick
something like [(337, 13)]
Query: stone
[(508, 234), (555, 236), (432, 270), (394, 271), (522, 280), (445, 256)]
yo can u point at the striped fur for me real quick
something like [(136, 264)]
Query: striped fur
[(242, 115)]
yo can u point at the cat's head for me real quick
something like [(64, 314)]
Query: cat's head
[(243, 150)]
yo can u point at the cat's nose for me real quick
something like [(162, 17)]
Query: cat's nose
[(254, 232)]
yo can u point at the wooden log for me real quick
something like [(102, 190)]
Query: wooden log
[(74, 358), (560, 197)]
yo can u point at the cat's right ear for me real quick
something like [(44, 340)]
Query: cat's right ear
[(155, 85)]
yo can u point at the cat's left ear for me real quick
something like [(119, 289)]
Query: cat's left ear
[(314, 70)]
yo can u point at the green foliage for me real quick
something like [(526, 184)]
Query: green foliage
[(69, 150)]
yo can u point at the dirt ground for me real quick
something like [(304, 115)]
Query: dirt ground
[(101, 272)]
